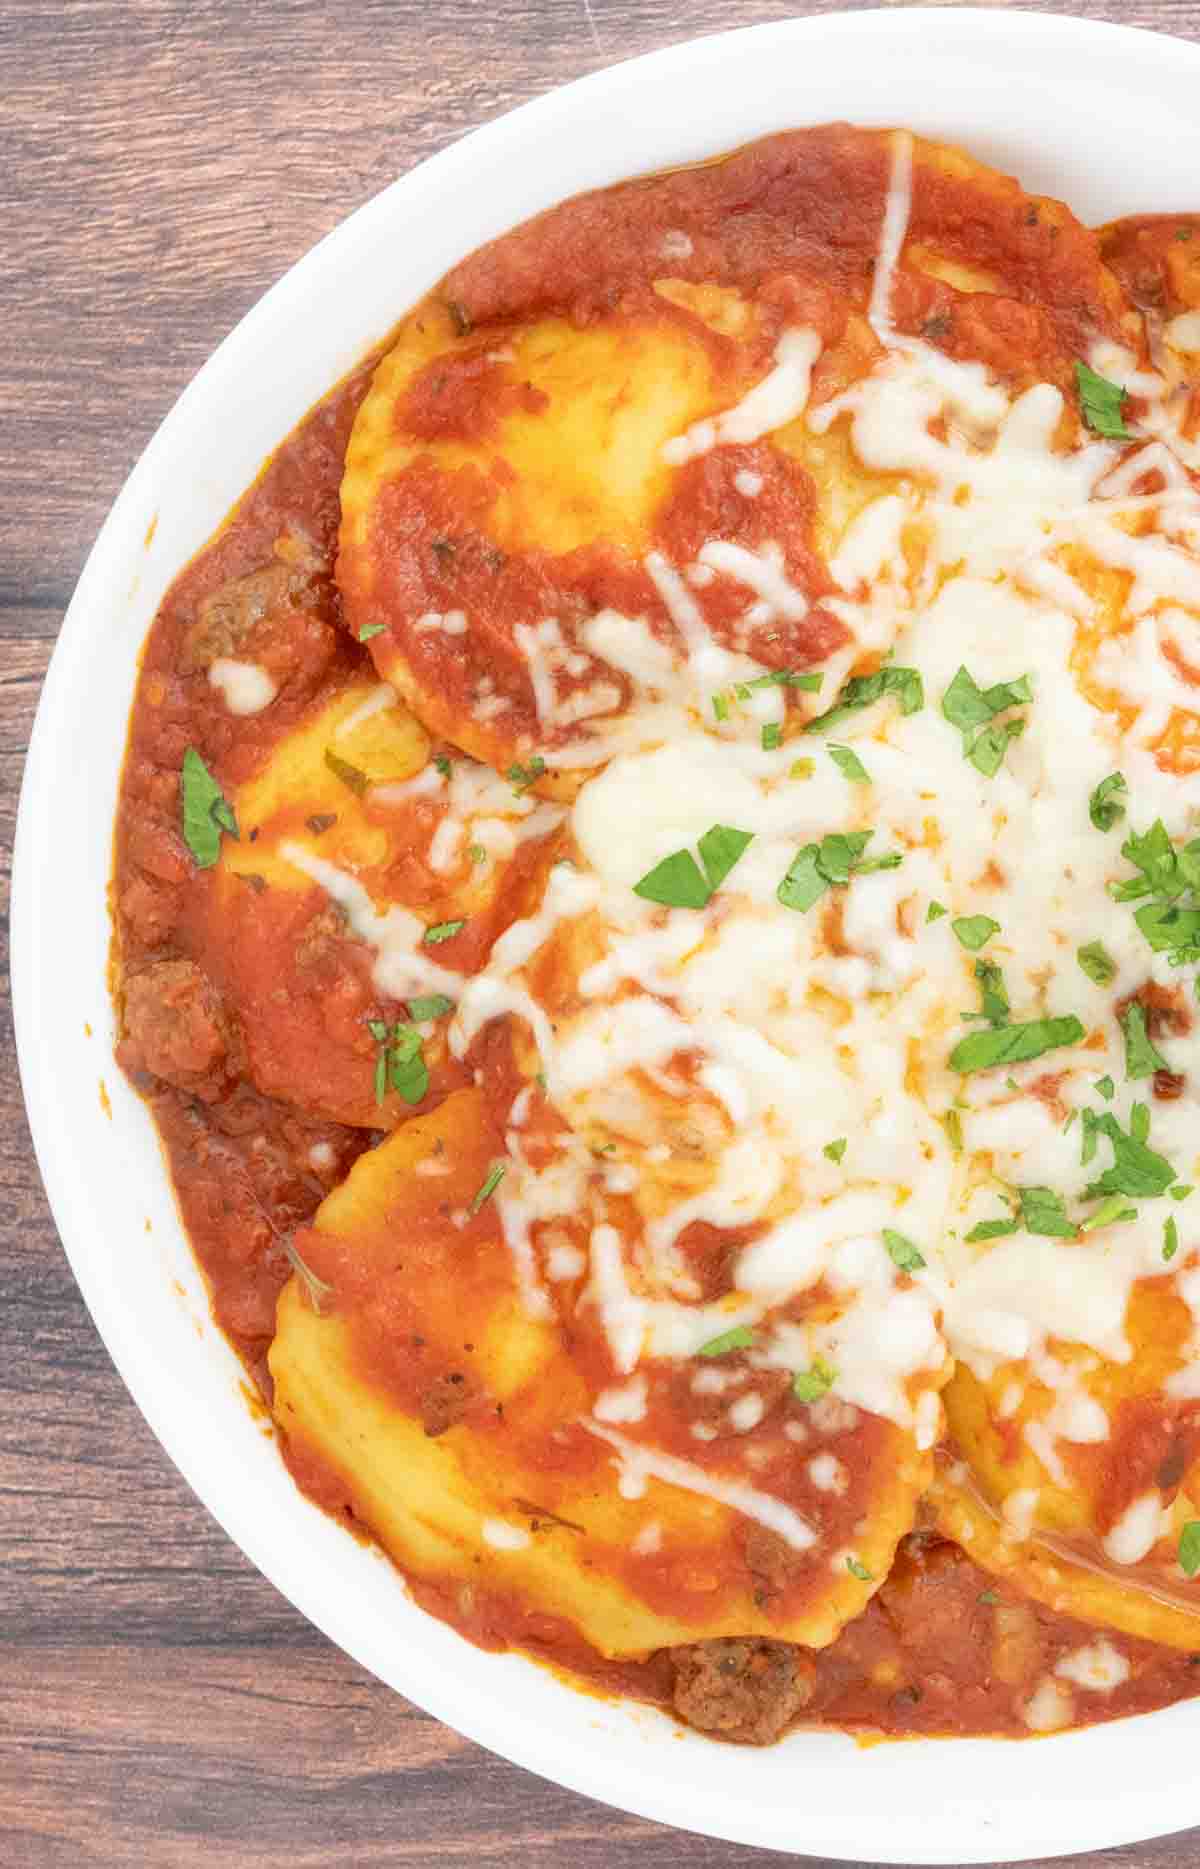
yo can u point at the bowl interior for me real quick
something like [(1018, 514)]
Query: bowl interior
[(1103, 117)]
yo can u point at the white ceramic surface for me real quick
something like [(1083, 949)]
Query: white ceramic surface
[(1105, 117)]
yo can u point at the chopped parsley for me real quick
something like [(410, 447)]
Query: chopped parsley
[(1104, 808), (206, 811), (1181, 1191), (1043, 1213), (1106, 1088), (935, 911), (431, 1006), (974, 931), (400, 1064), (830, 864), (1189, 1548), (1142, 1058), (1114, 1208), (993, 1230), (809, 1385), (1096, 962), (859, 1570), (772, 734), (973, 711), (1014, 1044), (1137, 1170), (834, 1151), (987, 1596), (522, 777), (677, 882), (1101, 402), (441, 931), (443, 765), (370, 629), (952, 1124), (850, 765), (487, 1186), (1170, 1238), (801, 769), (862, 690), (352, 777), (1170, 877), (902, 1252), (741, 1337)]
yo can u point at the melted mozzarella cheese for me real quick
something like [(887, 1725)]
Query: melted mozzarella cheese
[(245, 687)]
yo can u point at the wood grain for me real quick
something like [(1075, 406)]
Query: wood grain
[(160, 164)]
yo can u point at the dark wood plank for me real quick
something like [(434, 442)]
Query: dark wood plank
[(160, 165)]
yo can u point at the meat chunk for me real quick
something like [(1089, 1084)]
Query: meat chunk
[(445, 1402), (744, 1688), (175, 1028), (227, 619)]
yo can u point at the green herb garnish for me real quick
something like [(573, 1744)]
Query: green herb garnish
[(861, 690), (1137, 1170), (1101, 403), (772, 734), (431, 1006), (935, 911), (370, 629), (1043, 1213), (850, 765), (809, 1385), (488, 1186), (206, 811), (1014, 1044), (677, 883), (441, 931), (1142, 1059), (1106, 1087), (522, 777), (401, 1062), (1103, 806), (834, 1151), (1170, 877), (741, 1337), (1096, 962), (902, 1252), (830, 864), (858, 1570), (1170, 1238), (1189, 1548), (970, 708), (974, 931)]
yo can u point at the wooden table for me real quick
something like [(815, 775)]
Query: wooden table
[(160, 164)]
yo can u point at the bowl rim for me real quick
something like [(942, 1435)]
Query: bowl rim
[(441, 1676)]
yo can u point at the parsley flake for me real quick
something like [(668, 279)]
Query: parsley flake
[(741, 1337), (849, 765), (829, 864), (834, 1151), (1014, 1044), (677, 883), (971, 708), (431, 1006), (809, 1385), (1043, 1213), (206, 811), (862, 690), (1170, 878), (487, 1186), (1170, 1238), (935, 911), (1142, 1058), (859, 1570), (772, 734), (522, 777), (370, 629), (1189, 1548), (1104, 809), (974, 931), (1106, 1087), (1101, 402), (1096, 962), (1137, 1169), (441, 931), (401, 1062), (902, 1252), (1114, 1208)]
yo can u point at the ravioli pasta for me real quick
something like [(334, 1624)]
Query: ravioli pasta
[(657, 910)]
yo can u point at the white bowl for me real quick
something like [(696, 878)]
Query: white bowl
[(1103, 116)]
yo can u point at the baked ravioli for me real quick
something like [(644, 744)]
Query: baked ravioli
[(657, 910)]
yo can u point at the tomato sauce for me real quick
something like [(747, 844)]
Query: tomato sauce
[(940, 1649)]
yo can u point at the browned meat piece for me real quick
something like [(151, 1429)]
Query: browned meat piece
[(226, 620), (742, 1687), (175, 1028), (445, 1402)]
